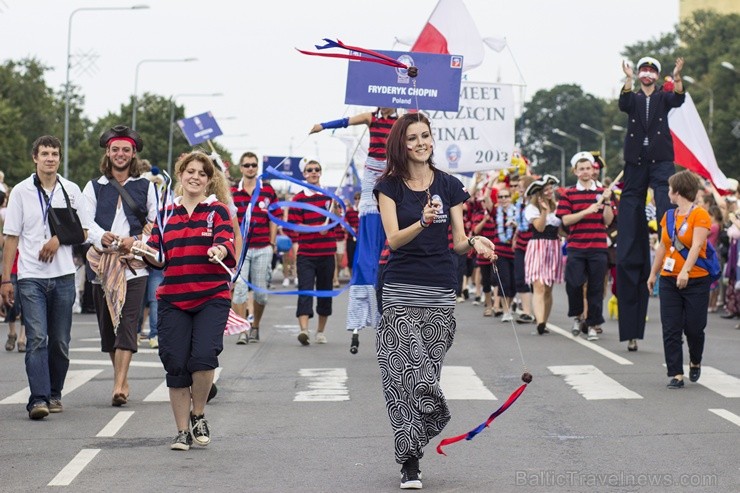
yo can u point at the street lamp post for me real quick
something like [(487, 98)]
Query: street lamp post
[(136, 81), (172, 120), (557, 131), (603, 142), (691, 80), (562, 159), (69, 65)]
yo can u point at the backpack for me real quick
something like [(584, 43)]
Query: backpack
[(710, 263)]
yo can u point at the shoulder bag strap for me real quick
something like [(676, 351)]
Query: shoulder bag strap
[(129, 201)]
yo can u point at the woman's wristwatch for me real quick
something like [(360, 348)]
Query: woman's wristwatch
[(471, 241)]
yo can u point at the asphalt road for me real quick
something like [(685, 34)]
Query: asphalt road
[(313, 419)]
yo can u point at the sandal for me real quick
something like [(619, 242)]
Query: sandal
[(488, 312), (10, 345), (21, 347)]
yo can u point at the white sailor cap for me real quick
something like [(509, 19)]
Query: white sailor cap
[(305, 160), (650, 62), (580, 156)]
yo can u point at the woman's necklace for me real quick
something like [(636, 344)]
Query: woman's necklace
[(415, 193)]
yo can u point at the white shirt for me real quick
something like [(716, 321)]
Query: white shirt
[(120, 226), (531, 212), (25, 219)]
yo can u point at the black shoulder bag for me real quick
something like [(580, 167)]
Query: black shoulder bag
[(63, 221)]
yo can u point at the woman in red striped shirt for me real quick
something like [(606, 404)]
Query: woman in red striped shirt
[(194, 297)]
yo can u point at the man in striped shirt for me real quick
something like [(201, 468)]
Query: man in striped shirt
[(315, 260), (586, 211), (261, 246)]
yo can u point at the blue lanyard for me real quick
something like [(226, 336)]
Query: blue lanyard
[(45, 210), (677, 230)]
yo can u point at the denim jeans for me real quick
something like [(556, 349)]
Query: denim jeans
[(156, 277), (47, 315)]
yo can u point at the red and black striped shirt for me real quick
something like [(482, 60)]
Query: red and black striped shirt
[(312, 244), (488, 231), (189, 278), (523, 233), (384, 254), (504, 249), (352, 216), (259, 226), (379, 130), (589, 233)]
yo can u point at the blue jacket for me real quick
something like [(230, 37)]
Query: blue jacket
[(655, 127)]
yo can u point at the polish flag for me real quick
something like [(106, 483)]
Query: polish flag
[(451, 31), (235, 324), (691, 145)]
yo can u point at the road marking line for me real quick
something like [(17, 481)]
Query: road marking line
[(75, 467), (97, 350), (115, 424), (717, 381), (106, 362), (162, 394), (592, 383), (75, 379), (461, 383), (590, 345), (729, 416), (325, 384), (90, 339)]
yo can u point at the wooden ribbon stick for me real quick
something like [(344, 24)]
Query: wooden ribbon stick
[(612, 186), (139, 251)]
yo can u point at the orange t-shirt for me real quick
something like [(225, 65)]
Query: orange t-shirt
[(684, 230)]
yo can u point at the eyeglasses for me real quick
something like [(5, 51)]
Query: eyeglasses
[(249, 165), (313, 170), (504, 196)]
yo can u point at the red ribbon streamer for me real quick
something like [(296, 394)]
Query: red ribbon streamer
[(374, 57), (471, 434)]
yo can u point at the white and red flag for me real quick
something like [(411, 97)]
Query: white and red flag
[(691, 145), (450, 30), (235, 324)]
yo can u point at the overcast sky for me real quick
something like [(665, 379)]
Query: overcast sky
[(245, 50)]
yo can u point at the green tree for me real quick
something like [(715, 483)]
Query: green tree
[(564, 107), (27, 111)]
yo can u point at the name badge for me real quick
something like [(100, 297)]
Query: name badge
[(669, 264)]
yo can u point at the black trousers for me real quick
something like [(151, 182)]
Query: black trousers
[(586, 266), (633, 245), (314, 273), (683, 312), (519, 276)]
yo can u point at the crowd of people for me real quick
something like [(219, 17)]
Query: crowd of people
[(502, 243)]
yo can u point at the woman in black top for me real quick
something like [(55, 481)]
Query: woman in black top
[(418, 204)]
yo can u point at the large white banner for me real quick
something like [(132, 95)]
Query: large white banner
[(480, 135)]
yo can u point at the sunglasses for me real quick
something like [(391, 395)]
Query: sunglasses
[(249, 165), (504, 196), (313, 170)]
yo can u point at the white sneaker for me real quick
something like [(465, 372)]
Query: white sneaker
[(154, 342), (592, 335), (295, 281), (460, 299), (320, 338), (286, 282), (507, 317)]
